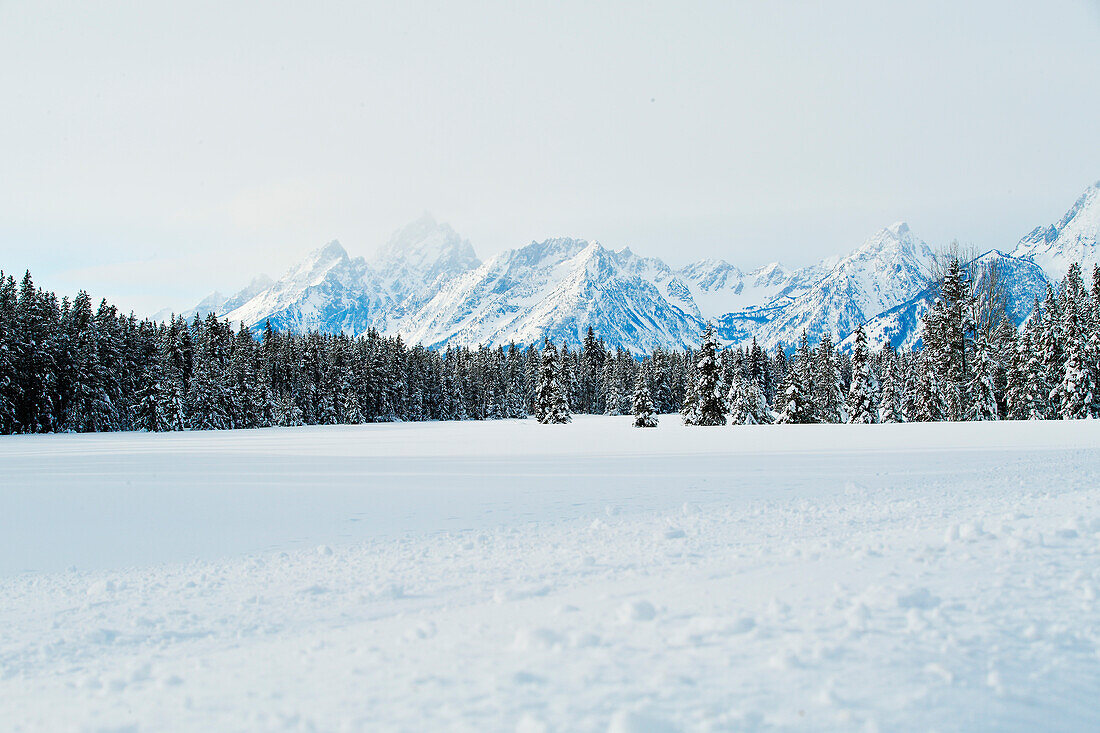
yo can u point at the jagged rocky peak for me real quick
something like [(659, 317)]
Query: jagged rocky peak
[(259, 283), (330, 251), (425, 245), (712, 274), (896, 238), (316, 266), (548, 251), (772, 272), (426, 283), (1074, 238)]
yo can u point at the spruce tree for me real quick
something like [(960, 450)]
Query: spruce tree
[(746, 402), (550, 405), (613, 397), (983, 399), (828, 402), (709, 404), (861, 400), (9, 377), (645, 416), (1076, 393), (930, 404), (892, 400), (795, 395)]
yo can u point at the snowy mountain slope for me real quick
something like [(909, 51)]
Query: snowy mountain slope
[(218, 303), (1024, 282), (1073, 239), (557, 289), (835, 296), (427, 284), (718, 288), (419, 260), (328, 292)]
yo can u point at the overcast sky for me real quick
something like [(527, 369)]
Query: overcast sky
[(152, 152)]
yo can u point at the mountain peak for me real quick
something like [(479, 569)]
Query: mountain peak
[(899, 228), (1074, 238), (260, 282), (331, 251), (412, 233), (424, 243)]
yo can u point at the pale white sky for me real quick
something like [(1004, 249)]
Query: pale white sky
[(151, 152)]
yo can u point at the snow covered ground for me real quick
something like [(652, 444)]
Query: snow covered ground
[(589, 577)]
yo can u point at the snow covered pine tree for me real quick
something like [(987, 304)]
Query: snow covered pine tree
[(645, 415), (709, 406), (861, 404), (550, 405)]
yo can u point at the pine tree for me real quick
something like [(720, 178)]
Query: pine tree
[(350, 410), (892, 399), (930, 404), (747, 403), (1018, 387), (550, 405), (1052, 349), (9, 377), (861, 400), (691, 395), (613, 396), (949, 332), (795, 394), (709, 404), (645, 416), (1076, 392), (828, 402), (287, 414), (983, 399)]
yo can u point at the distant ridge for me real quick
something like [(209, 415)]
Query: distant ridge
[(427, 284)]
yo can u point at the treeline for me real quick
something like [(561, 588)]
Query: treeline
[(66, 366), (975, 364)]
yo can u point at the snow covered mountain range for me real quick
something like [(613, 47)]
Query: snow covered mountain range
[(428, 284)]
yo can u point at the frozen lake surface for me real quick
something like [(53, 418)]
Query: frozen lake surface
[(512, 576)]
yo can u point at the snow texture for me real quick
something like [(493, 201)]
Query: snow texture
[(506, 575)]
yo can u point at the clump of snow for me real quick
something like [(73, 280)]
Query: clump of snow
[(918, 598), (637, 611)]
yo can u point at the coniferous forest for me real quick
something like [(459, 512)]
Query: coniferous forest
[(69, 366)]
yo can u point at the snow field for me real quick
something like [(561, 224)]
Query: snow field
[(903, 585)]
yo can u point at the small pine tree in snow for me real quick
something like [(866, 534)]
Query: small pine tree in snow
[(828, 402), (691, 397), (891, 407), (1075, 394), (747, 403), (286, 412), (550, 405), (645, 415), (614, 397), (1092, 366), (350, 408), (861, 402), (148, 412), (709, 404), (795, 395), (931, 404), (983, 398)]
